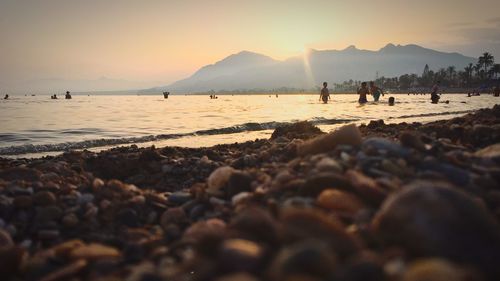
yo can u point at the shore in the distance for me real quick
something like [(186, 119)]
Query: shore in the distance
[(375, 202)]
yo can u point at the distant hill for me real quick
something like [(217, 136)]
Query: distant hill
[(247, 70)]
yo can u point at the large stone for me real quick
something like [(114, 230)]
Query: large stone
[(218, 179), (347, 135), (431, 220), (94, 251), (336, 200)]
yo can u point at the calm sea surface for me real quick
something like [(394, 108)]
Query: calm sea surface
[(32, 126)]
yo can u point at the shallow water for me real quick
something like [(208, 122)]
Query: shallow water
[(36, 125)]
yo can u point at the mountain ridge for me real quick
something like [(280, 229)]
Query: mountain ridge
[(248, 70)]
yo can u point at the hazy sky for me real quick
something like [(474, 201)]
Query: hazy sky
[(156, 42)]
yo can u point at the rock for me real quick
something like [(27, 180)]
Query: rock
[(128, 217), (199, 229), (70, 220), (85, 198), (299, 130), (179, 197), (173, 216), (410, 139), (435, 270), (48, 213), (320, 181), (306, 224), (48, 234), (20, 173), (429, 220), (93, 252), (341, 201), (349, 135), (241, 197), (23, 201), (65, 272), (366, 187), (302, 260), (218, 179), (239, 182), (44, 198), (454, 174), (5, 239), (328, 164), (256, 225), (237, 277), (240, 255), (385, 146), (492, 151), (11, 259)]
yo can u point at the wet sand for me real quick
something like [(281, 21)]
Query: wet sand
[(406, 201)]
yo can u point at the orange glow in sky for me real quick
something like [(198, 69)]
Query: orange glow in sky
[(159, 42)]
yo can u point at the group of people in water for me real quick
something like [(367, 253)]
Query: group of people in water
[(363, 93), (371, 89), (67, 96)]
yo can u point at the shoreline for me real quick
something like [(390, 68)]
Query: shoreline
[(385, 200)]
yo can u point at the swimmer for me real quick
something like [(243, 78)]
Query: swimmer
[(363, 92), (325, 94)]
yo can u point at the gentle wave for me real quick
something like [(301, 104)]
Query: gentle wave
[(432, 114), (246, 127)]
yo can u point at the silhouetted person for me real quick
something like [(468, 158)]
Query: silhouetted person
[(67, 96), (496, 92), (54, 97), (165, 95), (392, 100), (434, 92), (375, 91), (468, 95), (325, 94), (6, 97), (363, 92)]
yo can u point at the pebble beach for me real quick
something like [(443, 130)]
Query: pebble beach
[(407, 201)]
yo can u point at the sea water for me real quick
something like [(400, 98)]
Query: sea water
[(33, 126)]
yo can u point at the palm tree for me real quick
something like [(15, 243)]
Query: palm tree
[(451, 73), (468, 71), (486, 60), (495, 70)]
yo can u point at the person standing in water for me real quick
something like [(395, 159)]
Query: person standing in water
[(325, 94), (375, 91), (496, 91), (6, 97), (434, 92), (363, 92)]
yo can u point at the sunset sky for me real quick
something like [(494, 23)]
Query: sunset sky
[(153, 43)]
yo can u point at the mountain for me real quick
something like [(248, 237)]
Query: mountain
[(247, 70)]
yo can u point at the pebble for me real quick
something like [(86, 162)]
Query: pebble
[(218, 179), (44, 198), (179, 197), (173, 216), (239, 182), (93, 251), (238, 255), (341, 201), (434, 270), (5, 239), (328, 164), (304, 261), (346, 135), (446, 223), (70, 220), (385, 146)]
